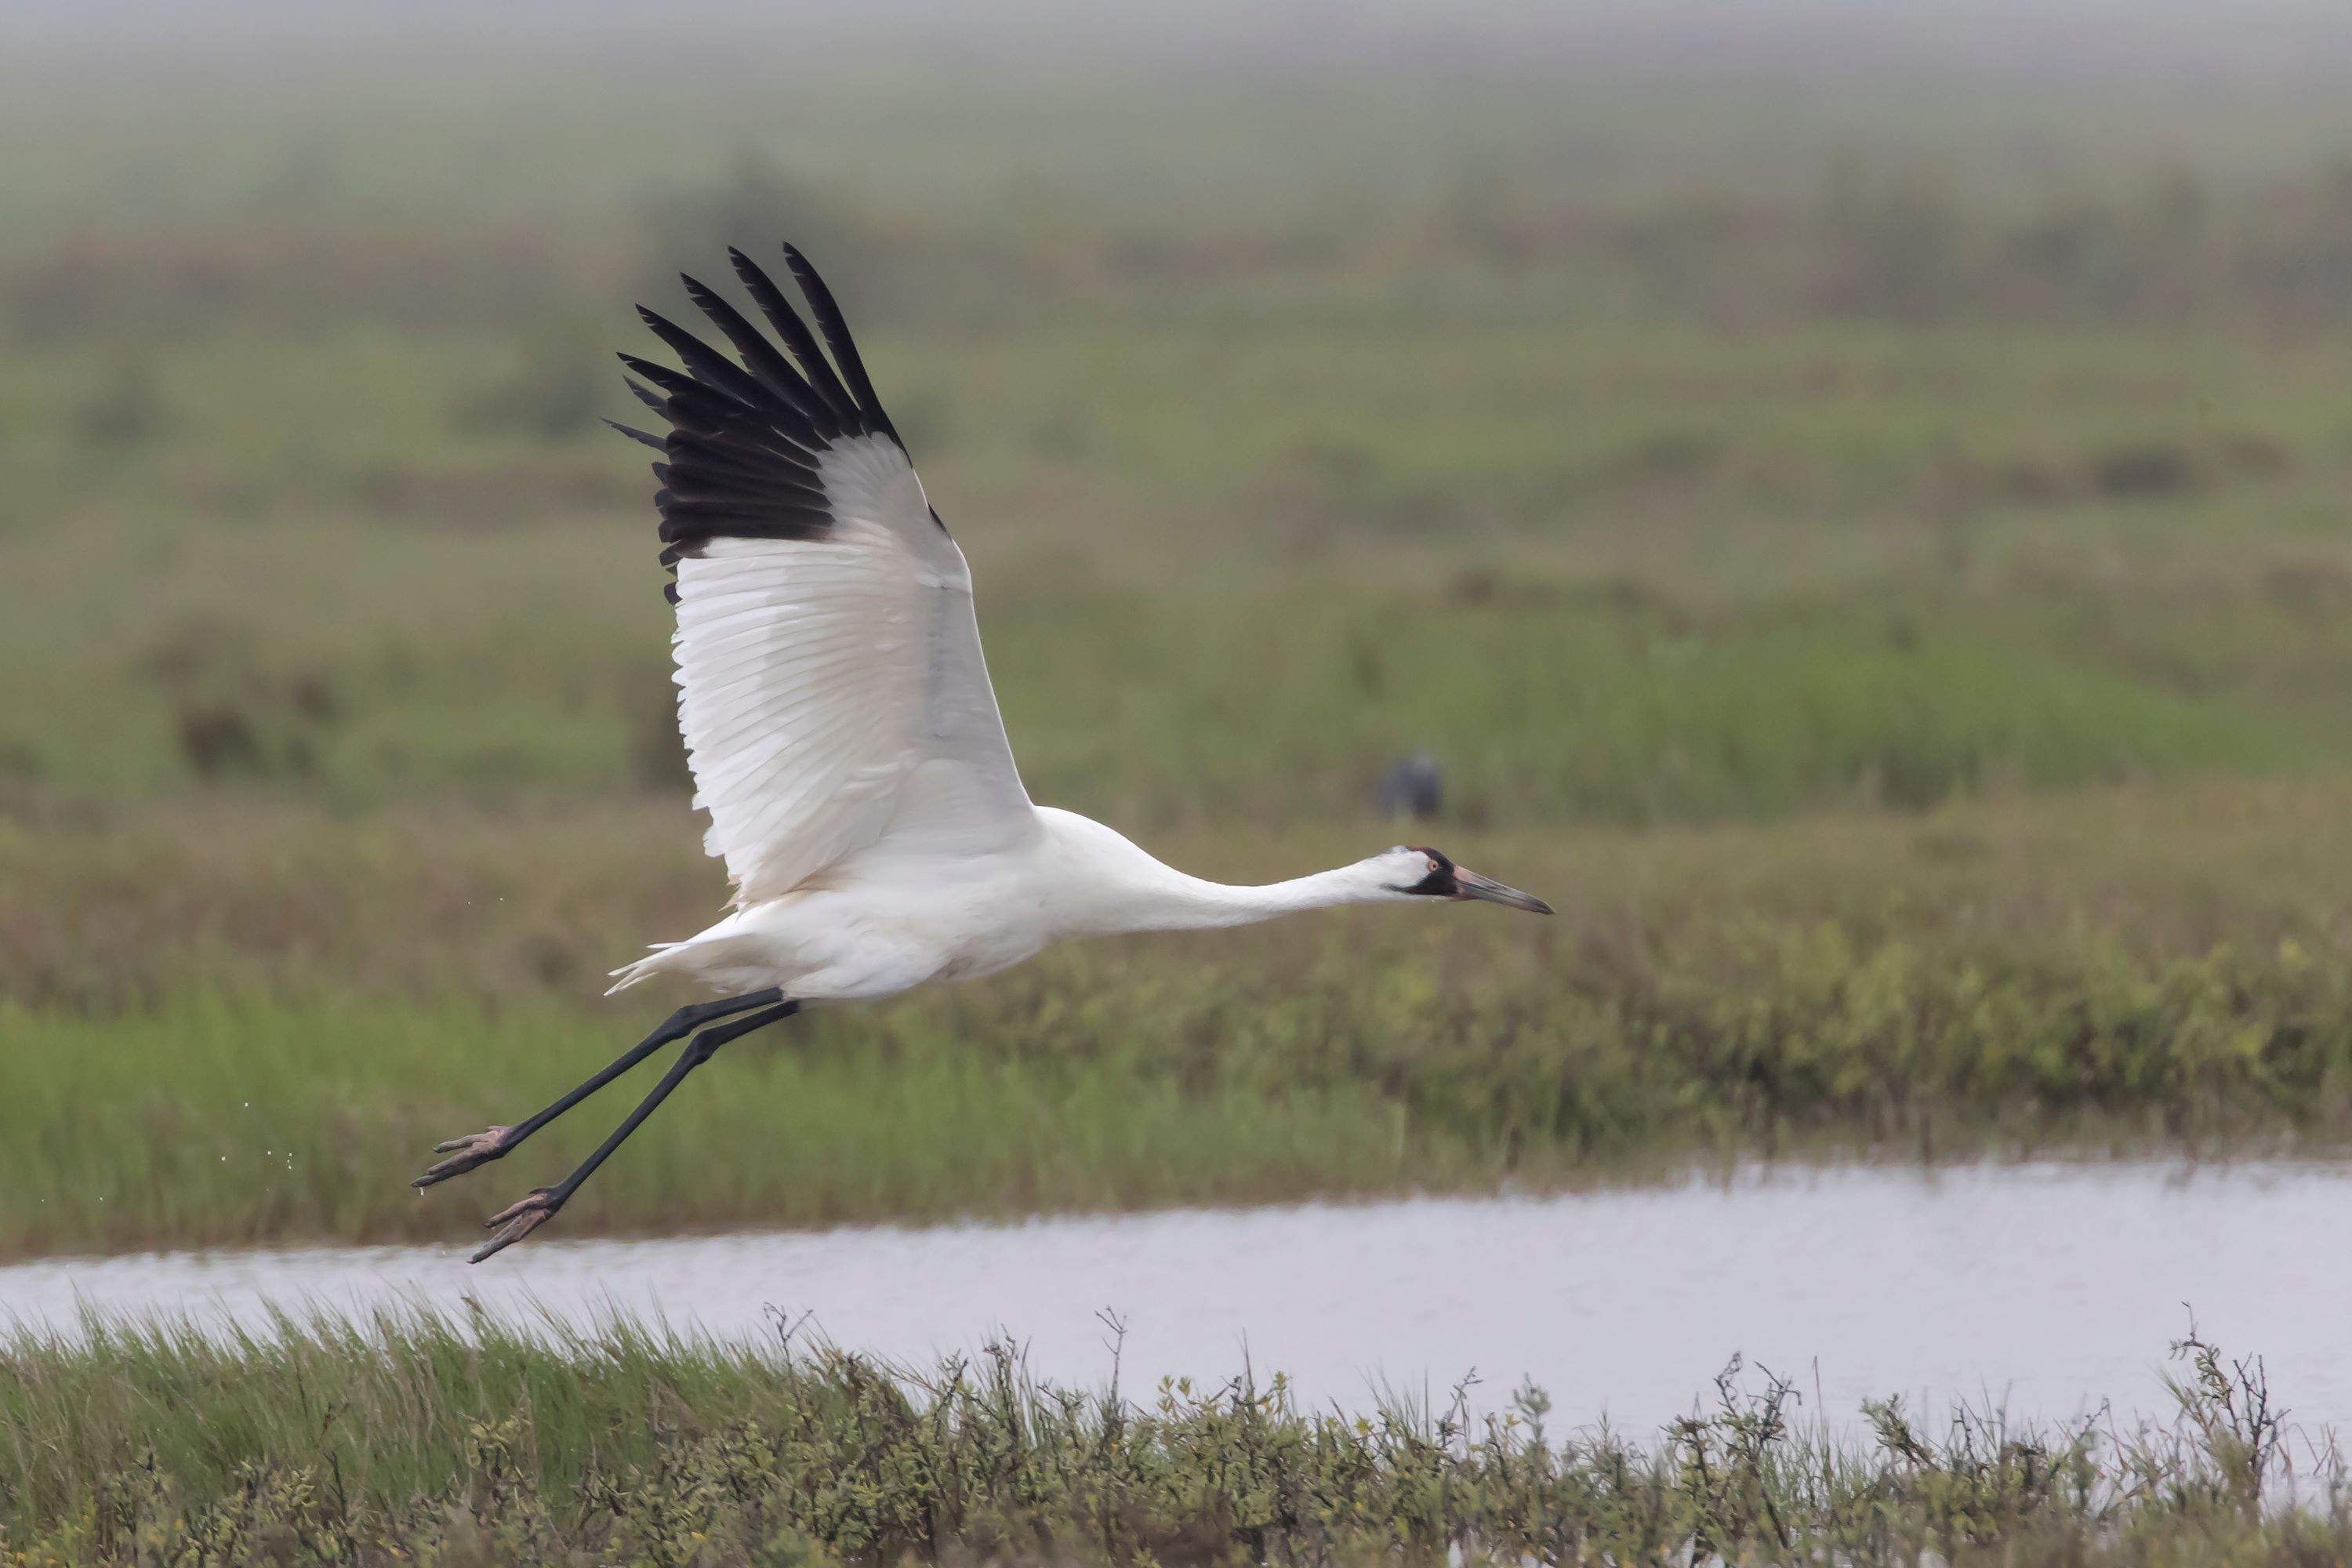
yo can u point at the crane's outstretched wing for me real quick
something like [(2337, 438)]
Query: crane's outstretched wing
[(831, 686)]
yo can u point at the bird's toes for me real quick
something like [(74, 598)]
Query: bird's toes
[(465, 1153), (534, 1202), (519, 1218)]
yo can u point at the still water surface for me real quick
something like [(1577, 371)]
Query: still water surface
[(2048, 1288)]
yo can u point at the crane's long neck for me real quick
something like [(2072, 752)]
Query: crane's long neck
[(1127, 889), (1191, 904)]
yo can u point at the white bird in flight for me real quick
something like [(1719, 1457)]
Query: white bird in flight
[(843, 734)]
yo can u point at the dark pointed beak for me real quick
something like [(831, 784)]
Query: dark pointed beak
[(1474, 886)]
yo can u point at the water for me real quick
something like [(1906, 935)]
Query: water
[(2046, 1287)]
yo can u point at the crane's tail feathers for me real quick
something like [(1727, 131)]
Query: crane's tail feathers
[(739, 963), (645, 968)]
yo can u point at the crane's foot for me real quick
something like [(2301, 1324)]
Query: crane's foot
[(465, 1153), (520, 1218)]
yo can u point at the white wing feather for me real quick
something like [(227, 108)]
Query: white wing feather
[(832, 691)]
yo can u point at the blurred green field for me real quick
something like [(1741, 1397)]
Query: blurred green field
[(1636, 574), (1901, 610)]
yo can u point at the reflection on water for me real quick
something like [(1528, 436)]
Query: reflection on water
[(2051, 1287)]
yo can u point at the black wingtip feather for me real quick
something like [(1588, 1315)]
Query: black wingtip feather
[(829, 320), (634, 434), (759, 356), (741, 459), (708, 365), (789, 326), (661, 375)]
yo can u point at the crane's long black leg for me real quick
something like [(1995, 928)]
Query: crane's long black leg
[(482, 1148), (521, 1218)]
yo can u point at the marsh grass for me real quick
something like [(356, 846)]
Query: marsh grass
[(409, 1437), (1926, 693), (1622, 572), (247, 1025)]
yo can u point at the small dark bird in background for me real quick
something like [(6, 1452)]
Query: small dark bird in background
[(1413, 787)]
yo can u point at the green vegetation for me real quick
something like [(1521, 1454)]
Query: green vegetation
[(1898, 611), (413, 1437), (1632, 574), (288, 1009), (1867, 539)]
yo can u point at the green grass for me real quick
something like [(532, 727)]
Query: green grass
[(1868, 732), (271, 1122), (1931, 712), (1633, 573), (1902, 624), (409, 1437), (249, 1025)]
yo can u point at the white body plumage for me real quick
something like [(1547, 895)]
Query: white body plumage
[(880, 923)]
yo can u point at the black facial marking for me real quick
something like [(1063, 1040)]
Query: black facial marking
[(1440, 882)]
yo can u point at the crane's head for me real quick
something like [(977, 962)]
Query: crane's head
[(1413, 871)]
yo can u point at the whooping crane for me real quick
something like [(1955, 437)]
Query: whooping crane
[(843, 734)]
